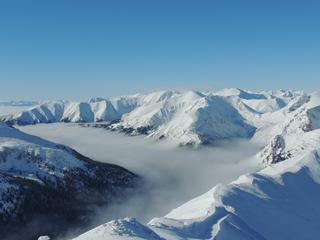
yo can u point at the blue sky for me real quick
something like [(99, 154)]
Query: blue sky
[(78, 49)]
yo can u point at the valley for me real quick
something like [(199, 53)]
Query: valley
[(222, 149)]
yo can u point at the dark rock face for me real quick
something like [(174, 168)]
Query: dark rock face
[(30, 208), (126, 130), (274, 152)]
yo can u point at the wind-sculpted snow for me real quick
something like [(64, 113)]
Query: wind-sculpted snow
[(43, 180), (189, 117)]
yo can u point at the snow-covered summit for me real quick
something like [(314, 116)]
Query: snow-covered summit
[(186, 117)]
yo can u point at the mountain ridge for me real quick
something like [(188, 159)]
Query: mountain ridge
[(280, 201), (187, 118)]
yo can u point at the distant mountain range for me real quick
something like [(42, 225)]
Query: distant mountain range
[(183, 117), (192, 118)]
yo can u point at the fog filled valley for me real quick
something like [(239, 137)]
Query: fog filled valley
[(159, 120), (173, 174), (165, 165)]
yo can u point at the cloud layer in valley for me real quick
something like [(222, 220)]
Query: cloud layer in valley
[(173, 175)]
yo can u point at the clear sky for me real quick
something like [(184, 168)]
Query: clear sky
[(78, 49)]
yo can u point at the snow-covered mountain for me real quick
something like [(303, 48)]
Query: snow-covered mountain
[(278, 202), (291, 130), (281, 201), (42, 182), (189, 117)]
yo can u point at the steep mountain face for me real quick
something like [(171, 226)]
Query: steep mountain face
[(45, 183), (183, 117)]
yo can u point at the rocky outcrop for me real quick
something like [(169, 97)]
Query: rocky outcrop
[(274, 151)]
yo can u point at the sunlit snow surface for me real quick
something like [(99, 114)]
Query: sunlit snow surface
[(278, 202), (187, 117)]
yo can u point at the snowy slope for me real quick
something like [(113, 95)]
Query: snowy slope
[(44, 113), (65, 111), (189, 117), (121, 229), (291, 130), (280, 201), (274, 203), (38, 177)]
